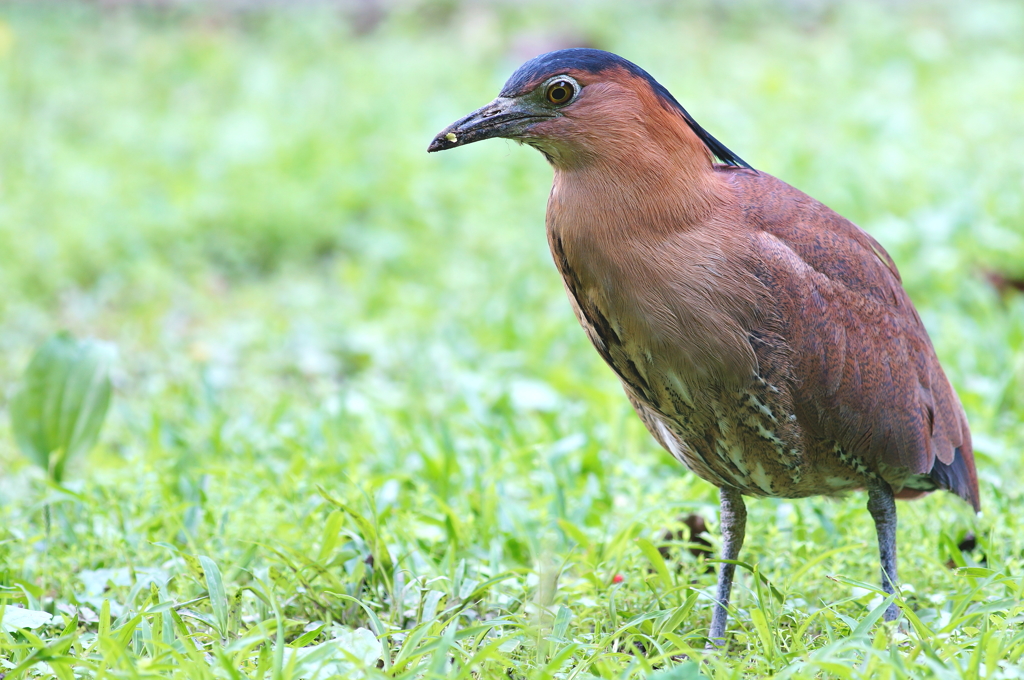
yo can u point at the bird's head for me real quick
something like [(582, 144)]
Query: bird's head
[(576, 105)]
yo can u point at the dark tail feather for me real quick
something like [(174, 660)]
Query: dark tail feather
[(959, 477)]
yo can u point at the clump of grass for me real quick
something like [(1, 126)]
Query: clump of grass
[(59, 408)]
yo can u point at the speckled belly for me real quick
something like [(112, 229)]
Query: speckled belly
[(745, 438), (744, 435)]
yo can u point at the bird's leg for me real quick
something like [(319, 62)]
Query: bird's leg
[(733, 525), (882, 506)]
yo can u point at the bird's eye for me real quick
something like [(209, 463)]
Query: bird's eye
[(560, 92)]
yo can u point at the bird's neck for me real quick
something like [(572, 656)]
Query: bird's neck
[(646, 173), (655, 184), (638, 254), (632, 198)]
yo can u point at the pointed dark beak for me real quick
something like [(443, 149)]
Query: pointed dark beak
[(504, 117)]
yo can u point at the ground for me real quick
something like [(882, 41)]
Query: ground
[(356, 428)]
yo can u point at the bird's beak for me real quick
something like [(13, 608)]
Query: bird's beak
[(504, 117)]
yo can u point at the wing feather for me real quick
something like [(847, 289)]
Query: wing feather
[(866, 374)]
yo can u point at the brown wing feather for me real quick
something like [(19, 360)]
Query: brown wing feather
[(866, 373)]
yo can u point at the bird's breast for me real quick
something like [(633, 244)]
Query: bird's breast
[(733, 424), (729, 432)]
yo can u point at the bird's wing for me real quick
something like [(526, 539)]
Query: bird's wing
[(866, 374)]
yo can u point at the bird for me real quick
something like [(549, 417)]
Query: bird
[(765, 341)]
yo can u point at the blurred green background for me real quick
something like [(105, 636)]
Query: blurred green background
[(238, 197)]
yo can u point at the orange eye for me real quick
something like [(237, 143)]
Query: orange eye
[(560, 92)]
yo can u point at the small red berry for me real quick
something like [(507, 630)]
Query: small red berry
[(618, 578)]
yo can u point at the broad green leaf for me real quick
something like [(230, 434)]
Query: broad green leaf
[(348, 652), (688, 670), (561, 625), (58, 411), (307, 637), (331, 536), (656, 560), (16, 618), (218, 596), (367, 529), (761, 626), (673, 622), (874, 615)]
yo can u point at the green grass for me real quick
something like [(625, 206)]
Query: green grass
[(350, 394)]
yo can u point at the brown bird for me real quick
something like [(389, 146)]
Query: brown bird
[(764, 340)]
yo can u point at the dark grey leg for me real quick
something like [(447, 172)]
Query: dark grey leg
[(882, 506), (734, 526)]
